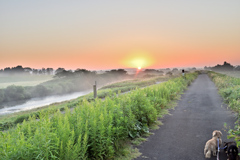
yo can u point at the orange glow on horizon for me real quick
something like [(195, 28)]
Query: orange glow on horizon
[(138, 59)]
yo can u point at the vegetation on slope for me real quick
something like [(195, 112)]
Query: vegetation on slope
[(62, 84), (229, 89), (94, 130), (11, 120)]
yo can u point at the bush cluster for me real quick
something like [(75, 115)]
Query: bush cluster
[(57, 86), (93, 130)]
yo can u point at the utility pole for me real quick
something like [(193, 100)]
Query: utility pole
[(95, 89)]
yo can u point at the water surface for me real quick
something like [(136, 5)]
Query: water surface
[(40, 102)]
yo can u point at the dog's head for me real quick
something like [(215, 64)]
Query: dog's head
[(232, 152), (227, 144), (217, 134)]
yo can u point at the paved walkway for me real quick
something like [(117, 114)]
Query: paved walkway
[(190, 125)]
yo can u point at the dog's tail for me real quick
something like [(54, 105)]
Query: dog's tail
[(207, 152)]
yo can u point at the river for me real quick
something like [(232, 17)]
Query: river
[(40, 102)]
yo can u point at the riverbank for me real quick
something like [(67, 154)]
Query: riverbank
[(93, 130), (8, 121)]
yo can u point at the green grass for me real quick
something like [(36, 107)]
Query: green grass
[(93, 130), (11, 120), (229, 89), (140, 82), (23, 80), (235, 74)]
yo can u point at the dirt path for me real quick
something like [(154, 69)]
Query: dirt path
[(190, 125)]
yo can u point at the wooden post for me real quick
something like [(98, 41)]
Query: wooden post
[(95, 89)]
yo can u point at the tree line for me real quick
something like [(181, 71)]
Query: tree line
[(64, 82), (59, 73), (225, 67), (26, 70)]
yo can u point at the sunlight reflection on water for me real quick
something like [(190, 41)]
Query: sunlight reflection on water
[(40, 102)]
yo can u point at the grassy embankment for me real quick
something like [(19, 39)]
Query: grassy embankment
[(94, 130), (235, 74), (57, 86), (23, 80), (229, 89), (11, 120)]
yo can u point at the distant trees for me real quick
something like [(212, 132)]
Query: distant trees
[(63, 83), (13, 93), (174, 70), (79, 72), (237, 68), (225, 67), (59, 70), (153, 72), (63, 73), (27, 70), (117, 72), (49, 71), (169, 73)]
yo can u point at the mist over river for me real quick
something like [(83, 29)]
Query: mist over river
[(40, 102)]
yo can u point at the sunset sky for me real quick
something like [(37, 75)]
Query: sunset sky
[(101, 34)]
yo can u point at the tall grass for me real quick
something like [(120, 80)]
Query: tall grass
[(229, 89), (94, 130), (9, 121)]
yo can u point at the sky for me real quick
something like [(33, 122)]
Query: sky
[(107, 34)]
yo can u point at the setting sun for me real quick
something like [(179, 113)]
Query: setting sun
[(138, 59)]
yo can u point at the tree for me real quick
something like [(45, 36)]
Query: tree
[(64, 73), (49, 71), (35, 71), (81, 71), (193, 69), (16, 93), (18, 69), (27, 69), (225, 67), (7, 70), (153, 71), (119, 71), (40, 91), (2, 96), (43, 71), (175, 70), (59, 70)]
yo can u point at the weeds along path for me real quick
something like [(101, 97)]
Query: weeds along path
[(94, 130), (71, 109), (185, 132)]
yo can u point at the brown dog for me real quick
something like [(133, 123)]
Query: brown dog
[(212, 144)]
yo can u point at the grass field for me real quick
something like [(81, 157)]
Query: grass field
[(23, 80), (231, 73), (94, 129), (123, 86), (229, 89)]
